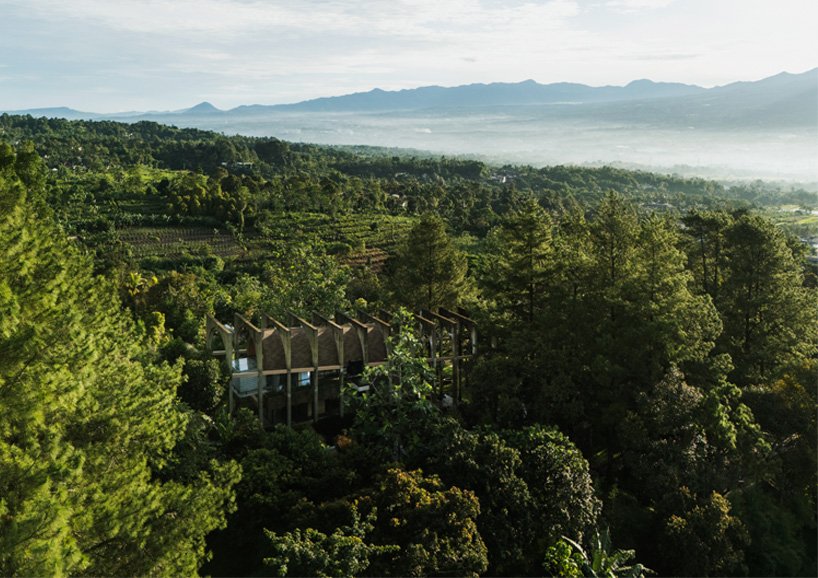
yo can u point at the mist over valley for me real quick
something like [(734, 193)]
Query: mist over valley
[(766, 129)]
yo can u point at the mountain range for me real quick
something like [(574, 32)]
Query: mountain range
[(761, 129), (781, 100), (527, 92)]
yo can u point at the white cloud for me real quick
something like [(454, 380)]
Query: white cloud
[(628, 6), (268, 39), (397, 17), (168, 53)]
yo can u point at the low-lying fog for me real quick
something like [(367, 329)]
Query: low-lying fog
[(526, 137)]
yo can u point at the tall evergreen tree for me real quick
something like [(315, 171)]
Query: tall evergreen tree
[(90, 421), (769, 316), (705, 230), (429, 271), (518, 266)]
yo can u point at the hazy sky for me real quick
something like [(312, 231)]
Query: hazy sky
[(116, 55)]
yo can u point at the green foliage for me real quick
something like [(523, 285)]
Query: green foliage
[(621, 344), (299, 277), (519, 263), (286, 475), (531, 488), (392, 415), (648, 316), (704, 538), (434, 527), (528, 495), (755, 277), (562, 559), (90, 421), (184, 298), (204, 385), (705, 233), (785, 409), (778, 526), (313, 553), (664, 443), (559, 481), (678, 436), (781, 513), (429, 272), (768, 314), (677, 354), (567, 558), (598, 310)]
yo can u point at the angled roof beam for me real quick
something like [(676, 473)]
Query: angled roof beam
[(312, 334), (276, 323), (242, 320), (298, 321), (438, 317), (213, 322), (318, 319), (343, 318), (372, 319), (425, 322), (361, 331), (457, 316)]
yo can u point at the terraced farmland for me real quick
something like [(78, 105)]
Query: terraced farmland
[(176, 241), (358, 240), (359, 232), (373, 259)]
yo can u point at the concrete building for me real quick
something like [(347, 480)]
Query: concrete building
[(293, 371)]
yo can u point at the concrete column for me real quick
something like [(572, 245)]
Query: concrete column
[(455, 333), (261, 379), (214, 327)]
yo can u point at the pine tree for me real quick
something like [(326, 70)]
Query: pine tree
[(429, 271), (768, 313), (518, 266), (89, 420)]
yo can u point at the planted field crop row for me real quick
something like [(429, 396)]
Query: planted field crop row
[(374, 259), (173, 241), (381, 231), (224, 250), (141, 235), (361, 240)]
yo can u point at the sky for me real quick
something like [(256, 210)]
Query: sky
[(123, 55)]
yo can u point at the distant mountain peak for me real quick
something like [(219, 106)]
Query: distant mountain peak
[(202, 108), (641, 82)]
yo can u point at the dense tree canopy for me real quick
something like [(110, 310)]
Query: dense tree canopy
[(90, 419), (644, 390), (429, 272)]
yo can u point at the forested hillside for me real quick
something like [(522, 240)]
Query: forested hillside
[(643, 395)]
